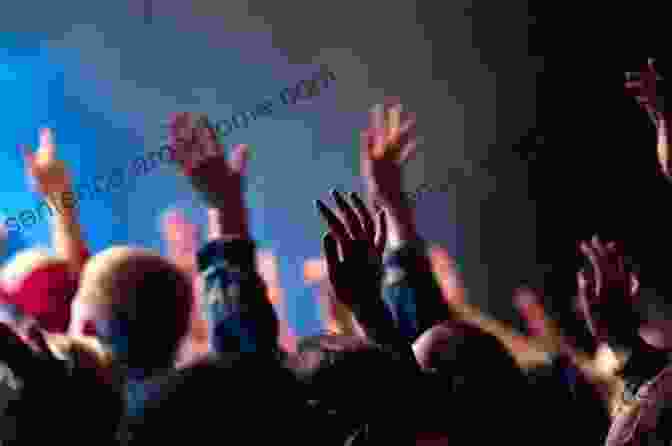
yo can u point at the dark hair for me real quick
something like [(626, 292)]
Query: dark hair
[(475, 389), (146, 331), (243, 398), (365, 389)]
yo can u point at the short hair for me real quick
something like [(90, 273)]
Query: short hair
[(150, 295)]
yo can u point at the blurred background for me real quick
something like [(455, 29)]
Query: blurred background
[(105, 75)]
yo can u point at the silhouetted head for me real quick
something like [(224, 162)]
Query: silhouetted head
[(240, 398), (137, 303), (473, 387), (364, 388)]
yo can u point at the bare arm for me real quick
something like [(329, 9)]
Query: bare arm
[(53, 181)]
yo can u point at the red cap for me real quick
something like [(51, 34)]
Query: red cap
[(45, 294)]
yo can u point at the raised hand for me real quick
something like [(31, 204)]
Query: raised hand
[(219, 180), (353, 248), (49, 174), (202, 159), (642, 86), (386, 145), (607, 294)]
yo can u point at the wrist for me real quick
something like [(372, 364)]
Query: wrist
[(401, 225), (227, 225)]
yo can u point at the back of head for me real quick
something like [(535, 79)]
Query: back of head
[(362, 386), (476, 392), (235, 398), (139, 305)]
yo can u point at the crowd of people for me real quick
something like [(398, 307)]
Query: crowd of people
[(128, 346)]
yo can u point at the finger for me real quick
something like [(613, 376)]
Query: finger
[(408, 152), (336, 228), (377, 130), (47, 147), (181, 140), (364, 217), (202, 146), (330, 247), (212, 134), (240, 155), (408, 133), (208, 139), (581, 280), (590, 252), (589, 285), (632, 85), (394, 122), (354, 226), (651, 65), (180, 124), (634, 285), (408, 125), (381, 232), (598, 246), (367, 145), (615, 257)]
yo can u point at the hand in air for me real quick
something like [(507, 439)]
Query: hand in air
[(386, 145), (353, 248), (201, 158), (49, 174), (642, 86), (606, 291)]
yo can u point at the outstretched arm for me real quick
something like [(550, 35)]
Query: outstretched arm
[(411, 289), (643, 86), (234, 298), (53, 181)]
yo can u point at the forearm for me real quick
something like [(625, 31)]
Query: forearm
[(234, 298), (664, 127), (378, 324), (228, 224), (412, 292), (340, 318), (400, 223), (67, 237)]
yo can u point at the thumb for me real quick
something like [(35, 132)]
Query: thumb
[(239, 158)]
